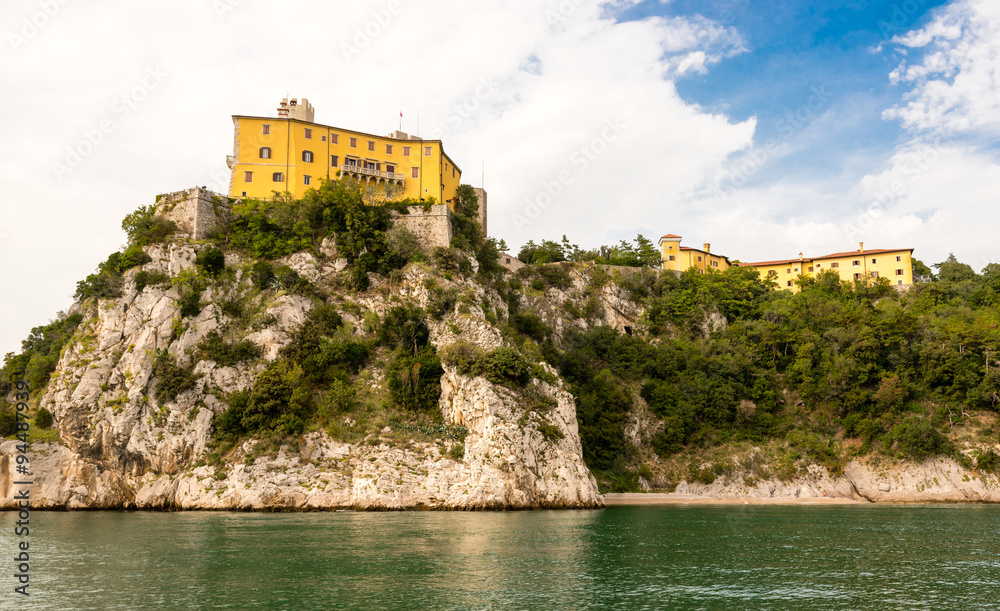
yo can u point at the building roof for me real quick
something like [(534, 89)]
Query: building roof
[(855, 253), (416, 139), (671, 236), (836, 255), (710, 254)]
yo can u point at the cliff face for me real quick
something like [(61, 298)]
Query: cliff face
[(124, 450)]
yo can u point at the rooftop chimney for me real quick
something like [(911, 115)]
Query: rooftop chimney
[(800, 256), (707, 246), (293, 110), (861, 245)]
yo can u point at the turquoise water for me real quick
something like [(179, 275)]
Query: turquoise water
[(729, 557)]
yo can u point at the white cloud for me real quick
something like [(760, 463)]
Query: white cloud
[(955, 87), (523, 86)]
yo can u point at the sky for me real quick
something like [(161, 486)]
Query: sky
[(764, 127)]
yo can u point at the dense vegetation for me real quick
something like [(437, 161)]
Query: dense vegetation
[(717, 359)]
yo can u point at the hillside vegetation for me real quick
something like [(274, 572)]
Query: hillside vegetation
[(698, 373)]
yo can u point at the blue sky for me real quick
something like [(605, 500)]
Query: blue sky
[(763, 127)]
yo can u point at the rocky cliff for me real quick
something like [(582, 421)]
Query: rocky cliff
[(122, 448)]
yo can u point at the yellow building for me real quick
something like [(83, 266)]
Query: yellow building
[(680, 258), (291, 153), (894, 264)]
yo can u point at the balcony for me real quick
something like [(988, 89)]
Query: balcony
[(372, 172), (230, 161)]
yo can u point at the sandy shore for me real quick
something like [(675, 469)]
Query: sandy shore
[(664, 498)]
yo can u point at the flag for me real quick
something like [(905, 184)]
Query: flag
[(401, 114)]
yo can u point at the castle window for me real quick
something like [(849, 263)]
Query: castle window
[(309, 133), (899, 272), (248, 177), (388, 149), (835, 265), (427, 151), (354, 143), (390, 168), (899, 259), (789, 283), (873, 261), (265, 152), (245, 194), (670, 258), (874, 274), (857, 276), (323, 138), (788, 270), (278, 177), (333, 138), (267, 129), (453, 171), (899, 282), (308, 180), (307, 156), (371, 145), (856, 263), (699, 259), (333, 160), (406, 151), (810, 269), (796, 270), (414, 172)]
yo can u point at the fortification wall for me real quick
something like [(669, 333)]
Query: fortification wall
[(432, 228), (196, 211)]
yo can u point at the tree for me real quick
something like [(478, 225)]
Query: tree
[(951, 270)]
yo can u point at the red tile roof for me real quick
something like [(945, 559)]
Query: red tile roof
[(670, 235), (836, 255)]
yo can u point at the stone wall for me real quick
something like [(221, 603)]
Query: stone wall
[(481, 194), (432, 228), (196, 211)]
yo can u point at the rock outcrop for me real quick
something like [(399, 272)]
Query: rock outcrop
[(124, 450)]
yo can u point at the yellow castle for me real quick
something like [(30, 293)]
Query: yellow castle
[(680, 258), (291, 153), (896, 264)]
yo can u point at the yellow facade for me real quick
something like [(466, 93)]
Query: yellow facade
[(681, 258), (292, 153), (863, 265)]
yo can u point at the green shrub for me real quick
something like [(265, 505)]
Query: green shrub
[(404, 326), (43, 418), (462, 356), (917, 439), (262, 276), (150, 278), (988, 461), (276, 405), (503, 366), (39, 354), (171, 380), (415, 379), (555, 275), (8, 423), (530, 324), (323, 321), (226, 354), (143, 228), (210, 261)]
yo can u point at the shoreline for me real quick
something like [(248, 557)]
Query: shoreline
[(672, 498)]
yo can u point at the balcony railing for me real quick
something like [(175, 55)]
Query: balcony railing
[(359, 169)]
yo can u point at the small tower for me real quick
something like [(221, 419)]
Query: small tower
[(294, 110), (670, 250)]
